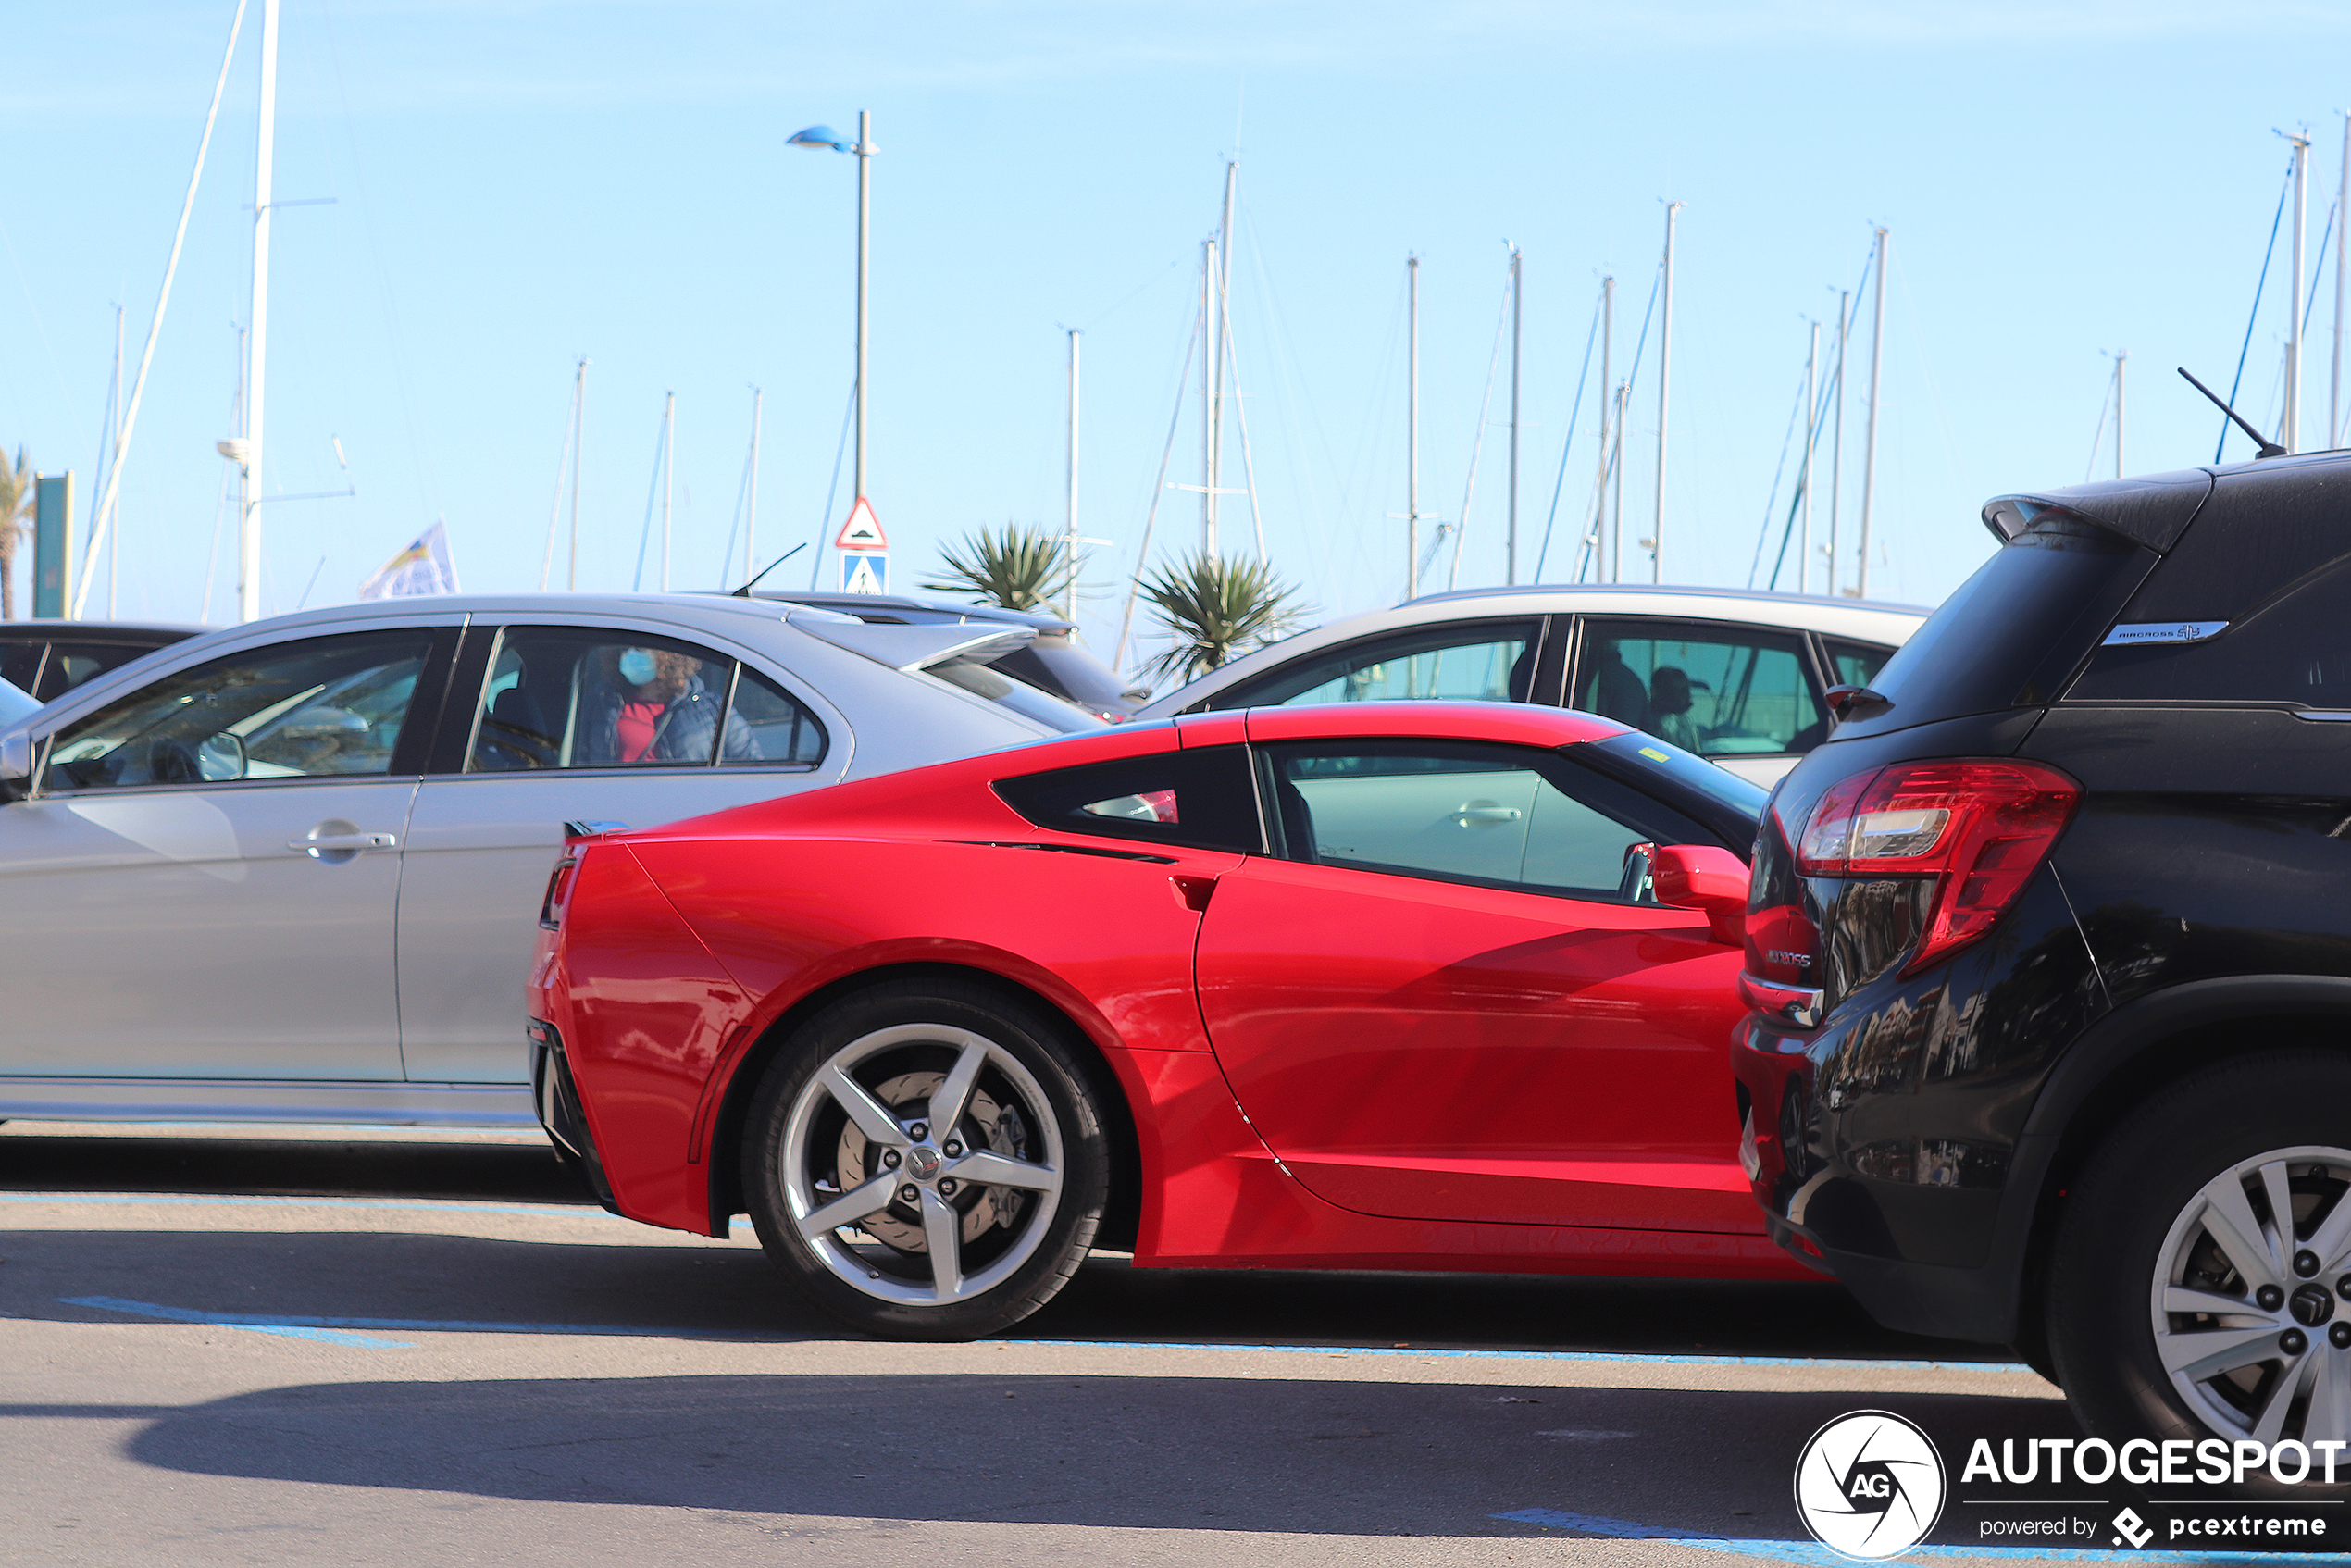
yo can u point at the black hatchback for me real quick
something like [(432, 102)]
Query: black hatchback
[(2050, 960)]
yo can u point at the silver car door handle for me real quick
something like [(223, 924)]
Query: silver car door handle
[(346, 841), (1490, 813)]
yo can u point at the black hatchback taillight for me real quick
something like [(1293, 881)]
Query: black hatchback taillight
[(1979, 829)]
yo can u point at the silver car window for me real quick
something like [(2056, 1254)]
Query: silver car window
[(1489, 661), (327, 708), (567, 697), (1721, 692)]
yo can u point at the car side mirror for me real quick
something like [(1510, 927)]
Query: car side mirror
[(221, 758), (1703, 878), (16, 764)]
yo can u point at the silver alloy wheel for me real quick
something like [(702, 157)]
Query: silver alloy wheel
[(875, 1123), (2252, 1298)]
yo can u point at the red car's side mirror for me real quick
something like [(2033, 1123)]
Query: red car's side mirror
[(1702, 877)]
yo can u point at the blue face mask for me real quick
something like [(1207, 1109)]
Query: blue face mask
[(635, 667)]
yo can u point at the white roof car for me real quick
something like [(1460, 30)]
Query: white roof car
[(1734, 676)]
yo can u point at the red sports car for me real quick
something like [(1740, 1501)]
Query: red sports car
[(1374, 986)]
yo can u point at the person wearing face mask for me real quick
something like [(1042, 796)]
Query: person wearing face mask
[(652, 705)]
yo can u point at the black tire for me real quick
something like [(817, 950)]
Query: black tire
[(1032, 1109), (2150, 1205)]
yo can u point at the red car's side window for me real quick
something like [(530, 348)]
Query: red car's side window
[(1201, 798), (1505, 816)]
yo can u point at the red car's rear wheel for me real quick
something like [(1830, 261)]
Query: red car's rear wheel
[(926, 1160)]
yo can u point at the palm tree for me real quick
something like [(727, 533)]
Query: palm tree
[(1012, 567), (16, 512), (1217, 607)]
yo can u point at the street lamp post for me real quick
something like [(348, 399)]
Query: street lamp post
[(824, 136)]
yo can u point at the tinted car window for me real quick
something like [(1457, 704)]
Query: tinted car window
[(1201, 798), (21, 665), (2014, 630), (566, 697), (2295, 649), (1503, 817), (1490, 661), (1732, 691), (1029, 702), (72, 663), (327, 708), (1855, 664)]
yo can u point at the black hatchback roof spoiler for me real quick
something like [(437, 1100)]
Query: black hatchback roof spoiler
[(2153, 510)]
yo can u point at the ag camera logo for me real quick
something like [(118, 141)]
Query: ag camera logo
[(1870, 1485)]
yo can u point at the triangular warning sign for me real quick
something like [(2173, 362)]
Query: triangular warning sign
[(863, 531)]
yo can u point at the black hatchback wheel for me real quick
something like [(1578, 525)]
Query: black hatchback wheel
[(926, 1160), (2202, 1278)]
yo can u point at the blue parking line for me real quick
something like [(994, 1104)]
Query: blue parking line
[(1640, 1359), (287, 1328), (1811, 1552), (425, 1205), (303, 1324)]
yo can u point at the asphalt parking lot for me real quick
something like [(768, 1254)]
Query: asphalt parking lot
[(331, 1347)]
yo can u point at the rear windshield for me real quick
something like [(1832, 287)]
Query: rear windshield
[(2015, 631), (1058, 666), (982, 680)]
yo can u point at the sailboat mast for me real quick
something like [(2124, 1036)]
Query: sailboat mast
[(578, 415), (1664, 396), (1412, 428), (2290, 436), (2121, 361), (1208, 398), (257, 333), (114, 455), (2343, 221), (1812, 440), (1624, 402), (1509, 548), (1069, 546), (750, 495), (1836, 444), (1868, 457), (669, 470), (1223, 268), (1606, 567)]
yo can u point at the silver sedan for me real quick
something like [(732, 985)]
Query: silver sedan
[(288, 871)]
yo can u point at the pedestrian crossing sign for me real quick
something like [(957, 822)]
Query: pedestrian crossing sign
[(865, 571)]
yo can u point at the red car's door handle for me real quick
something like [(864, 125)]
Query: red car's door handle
[(1193, 892)]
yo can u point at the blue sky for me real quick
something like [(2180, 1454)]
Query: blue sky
[(520, 184)]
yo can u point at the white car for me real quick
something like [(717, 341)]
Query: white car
[(1736, 676), (288, 871)]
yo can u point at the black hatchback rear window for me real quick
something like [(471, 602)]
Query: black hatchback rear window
[(2015, 631)]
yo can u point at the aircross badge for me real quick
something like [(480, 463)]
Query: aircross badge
[(1870, 1485)]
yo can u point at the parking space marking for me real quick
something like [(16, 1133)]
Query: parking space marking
[(427, 1205), (303, 1326), (287, 1328), (1811, 1552), (1634, 1357)]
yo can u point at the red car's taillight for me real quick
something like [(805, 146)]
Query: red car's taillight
[(1980, 828)]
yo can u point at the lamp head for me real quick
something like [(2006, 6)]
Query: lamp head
[(819, 136)]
